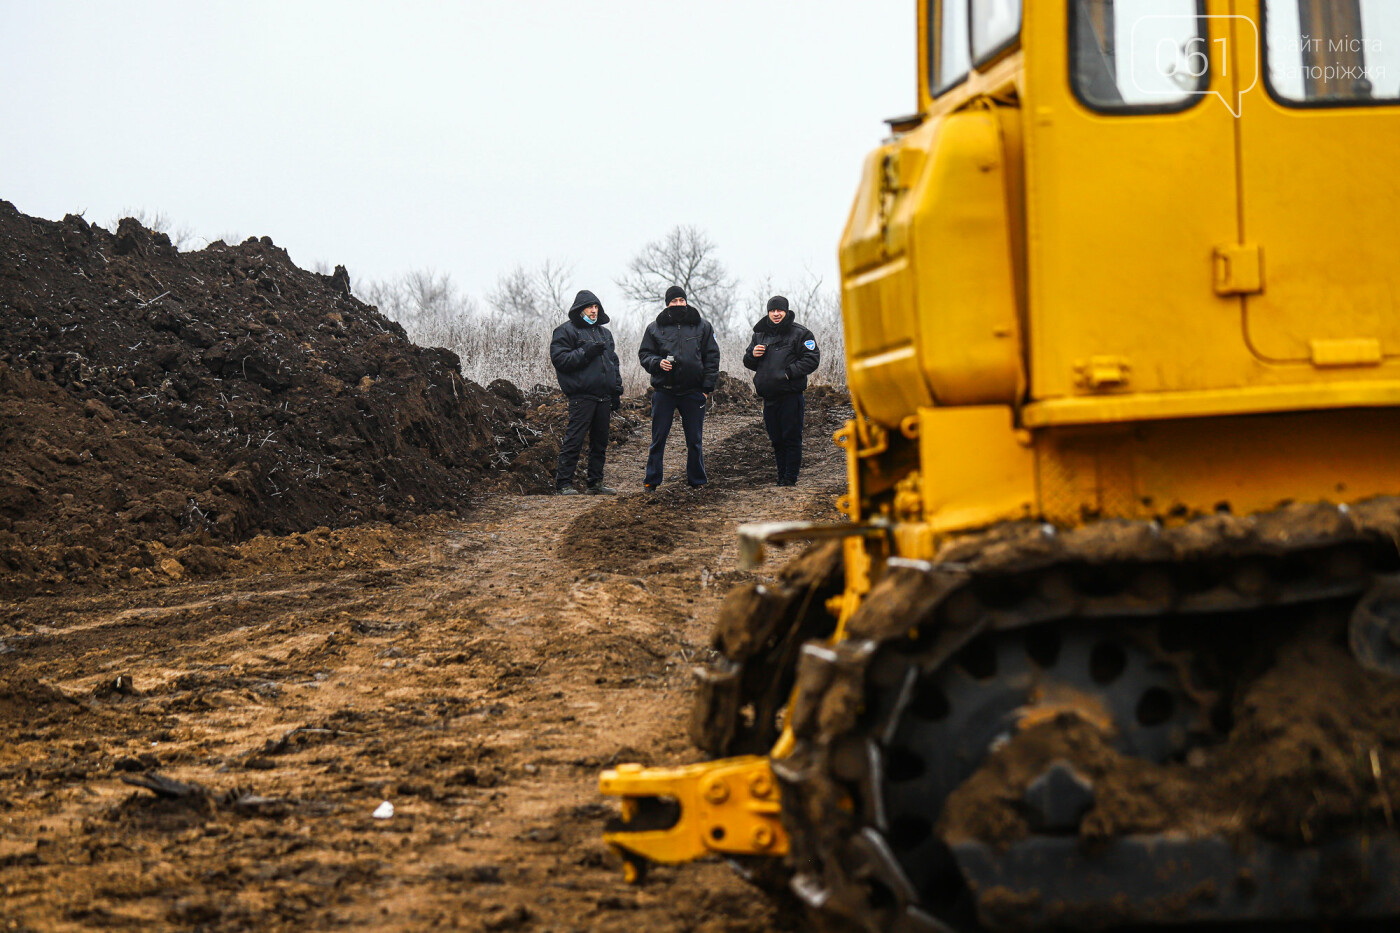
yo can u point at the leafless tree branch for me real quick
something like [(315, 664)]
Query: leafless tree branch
[(685, 256)]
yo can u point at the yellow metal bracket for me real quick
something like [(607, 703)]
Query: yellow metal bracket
[(755, 537), (1239, 269), (729, 807)]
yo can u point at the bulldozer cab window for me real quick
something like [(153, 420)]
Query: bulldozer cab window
[(995, 25), (949, 51), (1336, 52), (1139, 55)]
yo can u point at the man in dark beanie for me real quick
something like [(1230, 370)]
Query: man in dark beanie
[(589, 374), (680, 352), (782, 355)]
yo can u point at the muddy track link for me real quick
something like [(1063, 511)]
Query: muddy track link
[(758, 636), (851, 695)]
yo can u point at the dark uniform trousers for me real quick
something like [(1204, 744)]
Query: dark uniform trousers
[(783, 417), (664, 405), (587, 416)]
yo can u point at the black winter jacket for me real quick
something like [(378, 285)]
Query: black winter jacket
[(584, 356), (681, 332), (790, 355)]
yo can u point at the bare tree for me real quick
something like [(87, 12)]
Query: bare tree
[(686, 257), (813, 295), (809, 299), (533, 294), (756, 304), (426, 303)]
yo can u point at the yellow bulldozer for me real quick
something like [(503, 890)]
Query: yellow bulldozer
[(1112, 634)]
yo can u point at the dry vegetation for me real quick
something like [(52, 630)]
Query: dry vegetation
[(495, 343)]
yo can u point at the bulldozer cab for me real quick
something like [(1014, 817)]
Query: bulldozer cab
[(1216, 178), (1199, 212)]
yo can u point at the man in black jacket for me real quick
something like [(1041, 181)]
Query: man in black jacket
[(589, 374), (680, 352), (782, 355)]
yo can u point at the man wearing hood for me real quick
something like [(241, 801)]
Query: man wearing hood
[(680, 352), (782, 355), (589, 375)]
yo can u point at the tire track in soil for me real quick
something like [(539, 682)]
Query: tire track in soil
[(478, 682)]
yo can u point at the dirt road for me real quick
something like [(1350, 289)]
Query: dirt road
[(476, 674)]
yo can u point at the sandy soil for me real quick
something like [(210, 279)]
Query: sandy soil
[(475, 673)]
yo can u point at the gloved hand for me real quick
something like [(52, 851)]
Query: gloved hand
[(594, 350), (617, 403)]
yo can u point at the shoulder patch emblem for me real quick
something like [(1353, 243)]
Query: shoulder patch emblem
[(810, 344)]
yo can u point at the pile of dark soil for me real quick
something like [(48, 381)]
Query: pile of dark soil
[(618, 535), (541, 428), (734, 394), (24, 699), (156, 405)]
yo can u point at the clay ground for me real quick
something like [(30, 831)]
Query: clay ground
[(476, 673)]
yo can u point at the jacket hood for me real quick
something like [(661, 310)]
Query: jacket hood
[(582, 300), (680, 314), (765, 326)]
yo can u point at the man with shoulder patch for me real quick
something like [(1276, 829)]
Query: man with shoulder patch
[(782, 355), (586, 363), (680, 352)]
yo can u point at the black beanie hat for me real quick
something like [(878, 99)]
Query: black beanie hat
[(779, 302), (674, 292)]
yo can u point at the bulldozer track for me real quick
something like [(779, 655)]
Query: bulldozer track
[(1131, 579)]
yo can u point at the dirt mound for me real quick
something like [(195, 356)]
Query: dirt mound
[(24, 699), (546, 415), (152, 397), (618, 534), (733, 394), (828, 397)]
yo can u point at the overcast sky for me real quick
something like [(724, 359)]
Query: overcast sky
[(466, 137)]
